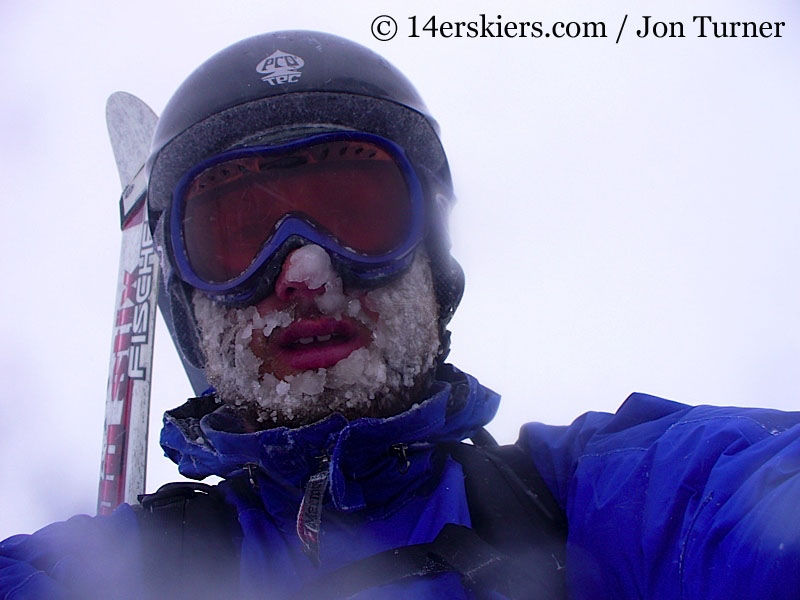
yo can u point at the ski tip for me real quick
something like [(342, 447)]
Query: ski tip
[(131, 123), (124, 101)]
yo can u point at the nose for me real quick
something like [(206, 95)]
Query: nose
[(303, 275)]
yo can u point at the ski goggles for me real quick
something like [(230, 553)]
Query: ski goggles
[(354, 194)]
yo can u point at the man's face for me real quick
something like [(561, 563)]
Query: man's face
[(312, 348)]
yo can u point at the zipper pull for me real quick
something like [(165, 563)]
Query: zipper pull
[(252, 470), (401, 450), (309, 517)]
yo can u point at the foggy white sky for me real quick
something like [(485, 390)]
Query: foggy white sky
[(627, 218)]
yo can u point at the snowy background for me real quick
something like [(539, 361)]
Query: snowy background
[(628, 213)]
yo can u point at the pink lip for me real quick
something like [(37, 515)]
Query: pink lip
[(318, 343)]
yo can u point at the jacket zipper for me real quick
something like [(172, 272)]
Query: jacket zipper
[(309, 517)]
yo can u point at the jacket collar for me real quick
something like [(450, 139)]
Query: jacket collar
[(369, 460)]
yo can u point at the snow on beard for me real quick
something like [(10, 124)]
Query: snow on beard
[(381, 379)]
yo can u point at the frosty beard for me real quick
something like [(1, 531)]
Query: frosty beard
[(384, 378)]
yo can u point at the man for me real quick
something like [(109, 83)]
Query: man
[(299, 193)]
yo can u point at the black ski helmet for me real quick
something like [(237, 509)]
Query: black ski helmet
[(279, 85)]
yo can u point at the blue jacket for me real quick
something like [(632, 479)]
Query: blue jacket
[(663, 500)]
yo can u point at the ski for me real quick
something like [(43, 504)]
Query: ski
[(130, 126)]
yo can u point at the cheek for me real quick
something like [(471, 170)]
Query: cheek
[(261, 347), (367, 306), (269, 304), (258, 342)]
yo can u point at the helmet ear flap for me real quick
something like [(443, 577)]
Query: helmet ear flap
[(449, 283), (175, 304), (448, 276), (176, 307), (179, 311)]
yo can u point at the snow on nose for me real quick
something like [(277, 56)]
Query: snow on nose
[(308, 274), (305, 272), (310, 265)]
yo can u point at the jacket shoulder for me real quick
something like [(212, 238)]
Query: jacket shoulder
[(664, 499)]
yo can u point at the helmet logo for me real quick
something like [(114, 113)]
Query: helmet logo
[(280, 67)]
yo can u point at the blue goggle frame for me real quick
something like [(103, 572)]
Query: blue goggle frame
[(293, 230)]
